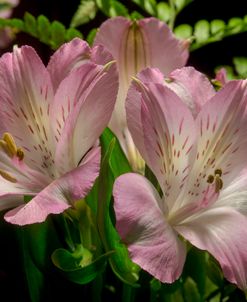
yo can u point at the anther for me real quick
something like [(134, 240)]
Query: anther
[(20, 153), (8, 138), (210, 179), (7, 176), (218, 183), (218, 172), (9, 146), (4, 146)]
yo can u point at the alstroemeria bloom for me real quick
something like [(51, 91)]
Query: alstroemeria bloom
[(50, 120), (199, 159), (136, 45)]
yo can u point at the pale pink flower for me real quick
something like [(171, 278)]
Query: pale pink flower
[(136, 45), (198, 156), (50, 120)]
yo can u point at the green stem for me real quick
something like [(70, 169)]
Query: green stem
[(128, 293), (96, 288)]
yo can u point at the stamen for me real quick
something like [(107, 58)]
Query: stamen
[(4, 146), (8, 138), (7, 176), (20, 153), (210, 179), (9, 146), (216, 179), (218, 183), (218, 172)]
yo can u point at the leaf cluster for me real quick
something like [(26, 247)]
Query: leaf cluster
[(52, 33)]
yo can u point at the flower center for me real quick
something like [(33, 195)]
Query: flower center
[(196, 206), (216, 178)]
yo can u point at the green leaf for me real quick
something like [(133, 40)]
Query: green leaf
[(114, 163), (5, 6), (148, 6), (240, 64), (30, 24), (202, 30), (104, 6), (72, 33), (44, 30), (195, 268), (214, 272), (36, 242), (118, 9), (191, 293), (180, 4), (72, 267), (218, 31), (57, 34), (217, 27), (136, 16), (183, 31), (86, 11), (91, 36), (235, 25), (163, 11), (53, 34), (112, 8)]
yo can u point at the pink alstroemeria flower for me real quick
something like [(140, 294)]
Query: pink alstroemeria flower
[(50, 121), (136, 45), (195, 142)]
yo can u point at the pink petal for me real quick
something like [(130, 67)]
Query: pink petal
[(170, 53), (164, 132), (142, 225), (100, 56), (223, 233), (69, 56), (26, 94), (192, 87), (10, 201), (60, 194), (222, 140), (134, 46), (151, 75), (93, 90), (221, 76), (235, 194)]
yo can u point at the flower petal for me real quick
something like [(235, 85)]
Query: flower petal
[(152, 243), (10, 201), (222, 137), (191, 86), (235, 194), (93, 95), (60, 194), (171, 53), (164, 133), (69, 56), (26, 94), (134, 46), (223, 233)]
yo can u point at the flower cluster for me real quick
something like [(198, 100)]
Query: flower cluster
[(166, 116)]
